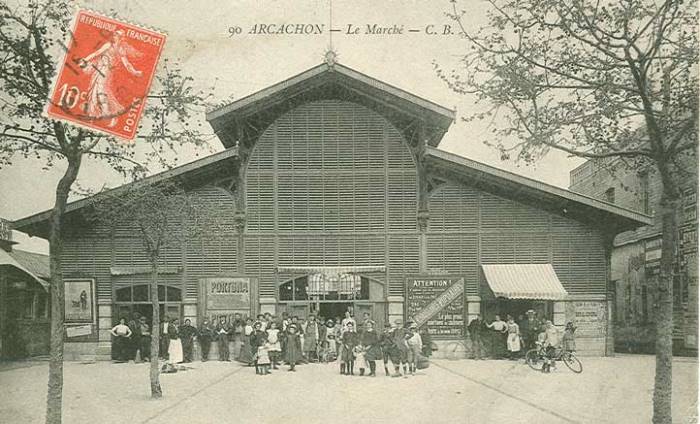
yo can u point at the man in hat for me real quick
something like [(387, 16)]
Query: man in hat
[(187, 335), (399, 349), (145, 331), (476, 328), (135, 340), (206, 334), (223, 331), (530, 329)]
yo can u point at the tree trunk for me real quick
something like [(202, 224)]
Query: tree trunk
[(54, 396), (156, 391), (664, 305)]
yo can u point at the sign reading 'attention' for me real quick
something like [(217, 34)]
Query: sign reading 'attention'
[(437, 302)]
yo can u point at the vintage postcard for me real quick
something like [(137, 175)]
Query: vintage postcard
[(349, 211)]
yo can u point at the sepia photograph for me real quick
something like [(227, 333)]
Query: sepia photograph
[(336, 211)]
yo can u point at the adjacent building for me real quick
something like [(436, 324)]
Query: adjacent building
[(336, 197), (24, 300), (636, 254)]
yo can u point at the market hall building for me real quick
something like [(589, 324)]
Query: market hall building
[(336, 196)]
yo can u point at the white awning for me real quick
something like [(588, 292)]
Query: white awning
[(524, 281)]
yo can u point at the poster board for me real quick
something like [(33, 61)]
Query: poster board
[(446, 318), (79, 301), (222, 297)]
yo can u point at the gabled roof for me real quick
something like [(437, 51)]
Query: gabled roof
[(36, 224), (35, 265), (322, 82), (537, 193)]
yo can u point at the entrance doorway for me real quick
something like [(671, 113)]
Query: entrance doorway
[(334, 310)]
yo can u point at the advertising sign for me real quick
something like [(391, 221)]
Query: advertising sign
[(437, 302)]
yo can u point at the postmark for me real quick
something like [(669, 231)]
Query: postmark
[(105, 75)]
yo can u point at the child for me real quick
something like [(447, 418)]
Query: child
[(274, 341), (568, 339), (259, 338), (359, 353), (349, 343), (415, 344), (263, 362), (293, 347), (386, 343)]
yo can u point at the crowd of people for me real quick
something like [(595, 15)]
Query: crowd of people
[(512, 338), (269, 341)]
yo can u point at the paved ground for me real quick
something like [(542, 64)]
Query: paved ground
[(610, 390)]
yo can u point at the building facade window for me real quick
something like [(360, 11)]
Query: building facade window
[(322, 287)]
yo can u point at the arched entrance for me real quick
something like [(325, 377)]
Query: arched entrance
[(328, 292)]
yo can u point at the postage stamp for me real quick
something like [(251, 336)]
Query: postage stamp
[(105, 75)]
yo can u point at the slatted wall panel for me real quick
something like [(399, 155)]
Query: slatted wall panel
[(260, 262), (212, 252), (456, 254), (403, 261), (102, 256), (326, 183), (509, 232)]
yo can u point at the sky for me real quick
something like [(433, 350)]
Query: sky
[(201, 35)]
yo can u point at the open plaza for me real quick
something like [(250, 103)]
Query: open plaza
[(609, 390)]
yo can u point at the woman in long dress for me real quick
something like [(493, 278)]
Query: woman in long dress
[(121, 333), (513, 342), (246, 354), (175, 346)]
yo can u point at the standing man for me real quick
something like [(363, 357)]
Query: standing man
[(145, 331), (164, 339), (135, 341), (311, 338), (206, 333), (222, 334), (187, 335), (236, 333), (475, 328), (532, 328)]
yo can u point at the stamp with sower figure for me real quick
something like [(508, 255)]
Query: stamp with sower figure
[(106, 74)]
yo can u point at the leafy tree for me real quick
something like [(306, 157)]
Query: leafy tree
[(597, 80), (31, 40), (163, 215)]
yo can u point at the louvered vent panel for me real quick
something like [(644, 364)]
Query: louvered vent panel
[(403, 261), (340, 173), (455, 254), (497, 214)]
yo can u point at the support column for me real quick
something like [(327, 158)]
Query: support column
[(473, 307)]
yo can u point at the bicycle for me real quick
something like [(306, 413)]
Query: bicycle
[(455, 349), (535, 358)]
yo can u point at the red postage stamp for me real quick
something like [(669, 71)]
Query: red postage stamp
[(105, 75)]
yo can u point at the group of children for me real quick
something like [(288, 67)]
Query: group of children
[(355, 346)]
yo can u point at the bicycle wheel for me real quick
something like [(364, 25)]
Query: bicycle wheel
[(534, 359), (455, 350), (572, 362)]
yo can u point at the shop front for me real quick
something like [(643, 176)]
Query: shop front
[(329, 292)]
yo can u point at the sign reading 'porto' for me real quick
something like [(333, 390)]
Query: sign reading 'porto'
[(437, 302), (224, 296)]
